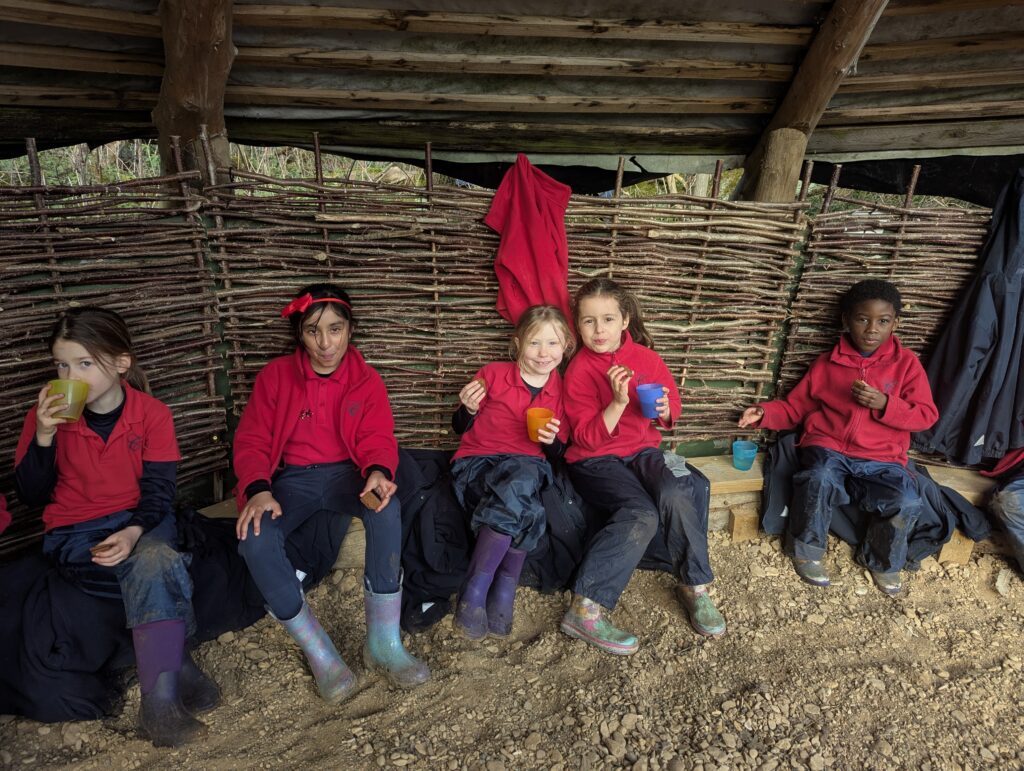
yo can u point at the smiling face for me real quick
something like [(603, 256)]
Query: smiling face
[(325, 336), (540, 352), (74, 362), (870, 324), (601, 323)]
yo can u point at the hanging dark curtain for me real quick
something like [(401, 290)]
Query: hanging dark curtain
[(975, 369)]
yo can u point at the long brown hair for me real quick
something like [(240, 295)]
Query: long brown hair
[(532, 319), (104, 335), (319, 292), (628, 306)]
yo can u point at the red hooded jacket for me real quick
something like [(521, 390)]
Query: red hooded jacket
[(823, 401), (274, 409), (588, 392)]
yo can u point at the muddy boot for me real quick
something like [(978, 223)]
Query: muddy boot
[(888, 583), (384, 650), (585, 621), (704, 616), (502, 596), (159, 648), (334, 679), (811, 571), (470, 613), (198, 692)]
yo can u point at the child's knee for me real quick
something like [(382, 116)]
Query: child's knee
[(643, 525), (257, 547), (152, 558)]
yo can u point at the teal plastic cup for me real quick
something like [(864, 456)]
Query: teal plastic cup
[(743, 454), (649, 393)]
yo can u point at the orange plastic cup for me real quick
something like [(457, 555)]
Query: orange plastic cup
[(536, 419), (75, 393)]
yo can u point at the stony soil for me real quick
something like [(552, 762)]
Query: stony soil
[(805, 678)]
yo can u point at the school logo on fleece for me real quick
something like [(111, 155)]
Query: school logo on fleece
[(889, 387), (134, 442), (353, 408)]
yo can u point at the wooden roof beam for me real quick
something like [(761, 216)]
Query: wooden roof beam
[(442, 22), (833, 51), (80, 17)]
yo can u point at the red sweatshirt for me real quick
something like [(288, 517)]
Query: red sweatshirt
[(588, 392), (500, 424), (532, 264), (276, 406), (823, 401)]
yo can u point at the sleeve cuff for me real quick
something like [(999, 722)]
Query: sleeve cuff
[(382, 469), (257, 487)]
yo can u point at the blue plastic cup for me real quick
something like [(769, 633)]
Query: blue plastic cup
[(649, 394), (743, 454)]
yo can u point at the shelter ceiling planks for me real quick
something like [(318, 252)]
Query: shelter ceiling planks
[(492, 76)]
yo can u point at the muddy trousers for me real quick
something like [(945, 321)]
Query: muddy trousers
[(1008, 506), (637, 494), (886, 492), (153, 582), (502, 492), (302, 492)]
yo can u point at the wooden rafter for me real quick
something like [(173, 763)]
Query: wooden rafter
[(324, 17), (78, 60), (66, 16), (943, 46), (919, 7), (843, 116), (932, 81), (831, 54)]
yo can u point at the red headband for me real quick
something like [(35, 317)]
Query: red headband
[(301, 304)]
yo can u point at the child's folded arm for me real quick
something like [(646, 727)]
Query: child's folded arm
[(588, 428), (913, 408)]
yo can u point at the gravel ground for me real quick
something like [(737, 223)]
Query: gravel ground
[(805, 678)]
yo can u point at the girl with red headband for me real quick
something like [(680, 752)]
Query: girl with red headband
[(318, 435)]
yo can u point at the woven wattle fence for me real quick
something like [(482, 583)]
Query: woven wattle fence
[(928, 252), (714, 279), (136, 248)]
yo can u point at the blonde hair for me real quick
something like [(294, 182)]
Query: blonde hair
[(532, 319)]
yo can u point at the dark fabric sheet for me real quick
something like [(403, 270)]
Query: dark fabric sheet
[(975, 369), (944, 508)]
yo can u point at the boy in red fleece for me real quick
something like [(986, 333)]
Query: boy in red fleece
[(858, 404)]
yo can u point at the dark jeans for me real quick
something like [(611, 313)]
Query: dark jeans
[(1008, 506), (503, 493), (153, 581), (636, 494), (303, 491), (885, 491)]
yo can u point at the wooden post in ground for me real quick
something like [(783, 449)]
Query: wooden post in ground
[(198, 53), (832, 52)]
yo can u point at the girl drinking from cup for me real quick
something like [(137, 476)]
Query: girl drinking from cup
[(508, 419), (107, 481), (616, 465), (318, 435)]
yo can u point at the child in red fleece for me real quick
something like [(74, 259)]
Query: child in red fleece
[(318, 435), (858, 404), (498, 472), (616, 465)]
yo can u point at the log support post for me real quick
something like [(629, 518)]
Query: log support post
[(831, 54), (198, 53)]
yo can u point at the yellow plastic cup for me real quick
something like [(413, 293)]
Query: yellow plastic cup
[(536, 419), (75, 393)]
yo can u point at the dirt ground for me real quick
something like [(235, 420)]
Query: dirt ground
[(805, 678)]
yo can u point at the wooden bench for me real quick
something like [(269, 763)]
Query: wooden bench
[(735, 504)]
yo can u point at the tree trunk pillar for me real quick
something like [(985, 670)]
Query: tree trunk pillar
[(198, 53), (780, 166)]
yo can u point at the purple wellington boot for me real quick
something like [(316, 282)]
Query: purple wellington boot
[(502, 596), (470, 613)]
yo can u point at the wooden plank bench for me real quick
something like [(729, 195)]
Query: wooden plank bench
[(735, 504)]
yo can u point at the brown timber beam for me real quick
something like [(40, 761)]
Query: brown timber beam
[(198, 53), (831, 54)]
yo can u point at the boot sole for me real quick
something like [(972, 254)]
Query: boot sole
[(607, 647)]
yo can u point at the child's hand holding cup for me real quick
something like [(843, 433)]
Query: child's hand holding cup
[(541, 419)]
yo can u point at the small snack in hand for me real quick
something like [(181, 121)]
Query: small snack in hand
[(370, 500), (100, 548), (482, 382), (860, 382)]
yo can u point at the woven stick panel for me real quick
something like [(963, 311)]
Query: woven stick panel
[(136, 248), (929, 253), (713, 278)]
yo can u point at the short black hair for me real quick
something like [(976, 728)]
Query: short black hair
[(870, 289)]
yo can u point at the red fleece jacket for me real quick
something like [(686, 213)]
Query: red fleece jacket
[(532, 265), (823, 401), (588, 392), (274, 409)]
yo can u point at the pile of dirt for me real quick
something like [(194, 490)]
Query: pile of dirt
[(843, 677)]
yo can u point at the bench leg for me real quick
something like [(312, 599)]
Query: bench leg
[(744, 523)]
